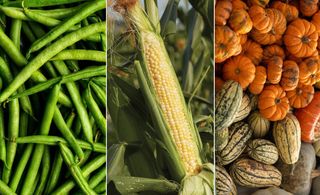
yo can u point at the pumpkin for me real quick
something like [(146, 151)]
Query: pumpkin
[(240, 69), (260, 19), (274, 69), (261, 3), (273, 103), (301, 96), (275, 34), (293, 58), (309, 71), (243, 38), (227, 43), (240, 21), (259, 80), (273, 50), (316, 21), (308, 7), (308, 118), (238, 4), (301, 38), (253, 51), (290, 75), (218, 83), (289, 11), (222, 12)]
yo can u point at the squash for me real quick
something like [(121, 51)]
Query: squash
[(301, 38), (263, 151), (227, 43), (309, 71), (273, 103), (222, 12), (227, 104), (274, 69), (308, 118), (244, 109), (259, 80), (224, 183), (240, 69), (287, 136), (253, 51), (301, 96), (253, 101), (289, 11), (221, 138), (260, 19), (240, 21), (271, 191), (290, 75), (258, 124), (308, 7), (273, 50)]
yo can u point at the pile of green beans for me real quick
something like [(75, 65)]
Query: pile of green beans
[(52, 97)]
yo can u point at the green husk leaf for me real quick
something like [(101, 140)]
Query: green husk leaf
[(115, 161)]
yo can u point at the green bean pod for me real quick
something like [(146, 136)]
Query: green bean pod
[(81, 54), (45, 163)]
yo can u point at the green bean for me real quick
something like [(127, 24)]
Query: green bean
[(3, 147), (98, 177), (81, 54), (77, 127), (24, 119), (1, 83), (28, 32), (82, 74), (95, 110), (44, 130), (39, 3), (87, 169), (60, 13), (84, 12), (4, 189), (54, 140), (101, 187), (36, 181), (45, 171), (47, 54), (21, 167), (101, 94), (12, 12)]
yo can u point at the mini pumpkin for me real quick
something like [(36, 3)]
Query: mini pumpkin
[(222, 12), (316, 21), (301, 96), (261, 3), (243, 38), (253, 51), (289, 11), (238, 4), (218, 83), (290, 75), (301, 38), (276, 32), (309, 71), (273, 103), (240, 21), (227, 43), (260, 19), (259, 80), (240, 69), (273, 50), (274, 69), (308, 7)]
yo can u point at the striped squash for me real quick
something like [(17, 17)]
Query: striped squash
[(250, 173), (239, 135), (263, 151), (221, 138), (258, 124), (224, 183), (287, 136), (253, 101), (244, 109), (227, 104)]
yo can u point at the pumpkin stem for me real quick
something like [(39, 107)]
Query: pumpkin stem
[(237, 70), (299, 91), (305, 39), (277, 100)]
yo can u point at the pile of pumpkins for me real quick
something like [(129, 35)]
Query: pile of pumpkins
[(267, 103)]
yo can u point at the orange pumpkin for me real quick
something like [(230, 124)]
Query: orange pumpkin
[(316, 21), (243, 38), (273, 103), (274, 69), (273, 50), (308, 7), (289, 11), (261, 3), (260, 19), (301, 96), (222, 12), (240, 69), (301, 38), (309, 71), (275, 34), (218, 83), (259, 80), (227, 43), (238, 4), (253, 51), (240, 21), (290, 75)]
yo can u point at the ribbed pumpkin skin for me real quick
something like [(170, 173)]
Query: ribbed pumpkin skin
[(227, 103), (224, 183), (244, 109), (240, 21), (221, 138), (289, 11), (274, 69), (308, 7), (258, 124), (263, 151), (250, 173), (223, 10), (259, 80), (239, 134), (273, 50), (253, 51), (287, 136), (290, 75)]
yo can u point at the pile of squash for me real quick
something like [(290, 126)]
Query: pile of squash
[(267, 81)]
